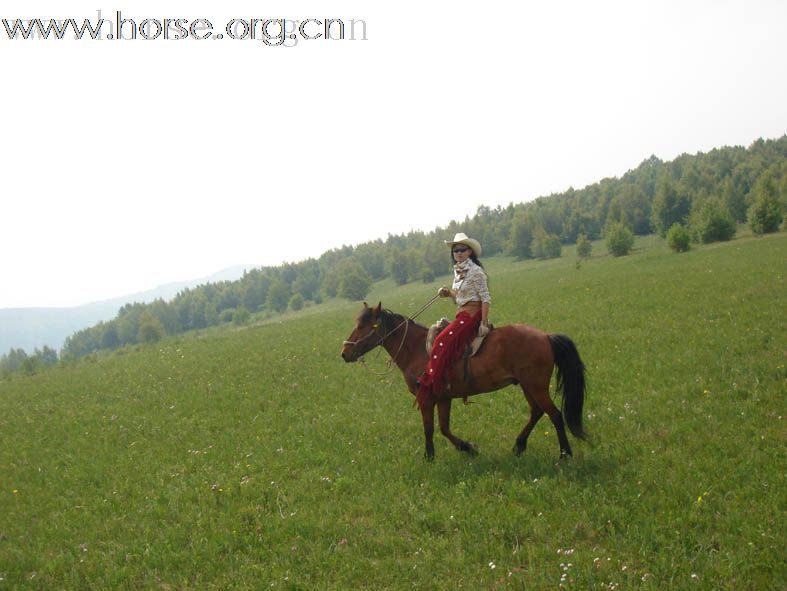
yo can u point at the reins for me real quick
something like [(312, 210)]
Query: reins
[(424, 307)]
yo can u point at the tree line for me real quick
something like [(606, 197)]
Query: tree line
[(18, 361), (701, 197)]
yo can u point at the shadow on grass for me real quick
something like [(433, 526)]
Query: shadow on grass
[(452, 467)]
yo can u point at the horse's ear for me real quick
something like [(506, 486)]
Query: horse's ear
[(365, 306), (379, 308)]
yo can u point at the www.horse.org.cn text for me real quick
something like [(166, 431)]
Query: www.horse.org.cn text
[(273, 32)]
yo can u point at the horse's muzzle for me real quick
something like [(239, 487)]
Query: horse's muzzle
[(348, 351)]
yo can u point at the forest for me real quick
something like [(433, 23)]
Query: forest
[(703, 197)]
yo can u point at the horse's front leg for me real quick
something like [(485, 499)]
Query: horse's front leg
[(427, 414), (444, 412)]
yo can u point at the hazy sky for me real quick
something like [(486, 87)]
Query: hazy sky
[(127, 164)]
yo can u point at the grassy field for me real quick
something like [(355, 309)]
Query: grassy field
[(256, 459)]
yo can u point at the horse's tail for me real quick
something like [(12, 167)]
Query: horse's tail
[(570, 381)]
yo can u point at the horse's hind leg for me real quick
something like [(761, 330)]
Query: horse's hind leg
[(557, 420), (542, 400), (535, 414), (444, 414)]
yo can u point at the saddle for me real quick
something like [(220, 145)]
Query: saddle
[(438, 327)]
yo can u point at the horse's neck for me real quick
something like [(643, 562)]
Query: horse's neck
[(406, 344)]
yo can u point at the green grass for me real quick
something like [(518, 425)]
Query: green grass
[(257, 459)]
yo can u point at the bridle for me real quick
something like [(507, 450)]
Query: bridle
[(376, 326)]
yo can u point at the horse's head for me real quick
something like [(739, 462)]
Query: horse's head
[(365, 336)]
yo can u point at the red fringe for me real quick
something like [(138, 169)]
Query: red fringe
[(448, 348)]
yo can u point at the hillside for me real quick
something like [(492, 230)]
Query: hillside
[(709, 194), (255, 458), (30, 328)]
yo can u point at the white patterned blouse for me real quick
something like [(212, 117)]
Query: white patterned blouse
[(470, 283)]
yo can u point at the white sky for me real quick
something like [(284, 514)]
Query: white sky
[(128, 164)]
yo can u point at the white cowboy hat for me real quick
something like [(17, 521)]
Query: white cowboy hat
[(461, 238)]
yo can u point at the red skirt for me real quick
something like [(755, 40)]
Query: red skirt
[(446, 351)]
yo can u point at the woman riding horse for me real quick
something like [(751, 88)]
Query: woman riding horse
[(470, 291), (512, 354)]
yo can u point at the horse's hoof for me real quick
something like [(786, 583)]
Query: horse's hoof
[(518, 449), (469, 447)]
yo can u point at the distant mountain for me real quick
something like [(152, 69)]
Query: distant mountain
[(28, 328)]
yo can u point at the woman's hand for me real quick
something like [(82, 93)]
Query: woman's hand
[(444, 292), (483, 329)]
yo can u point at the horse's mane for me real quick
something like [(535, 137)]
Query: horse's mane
[(390, 320)]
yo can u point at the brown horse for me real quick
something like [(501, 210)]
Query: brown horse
[(513, 354)]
